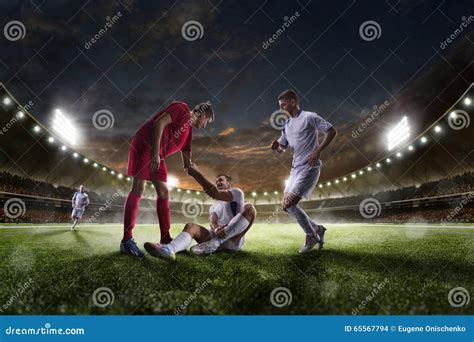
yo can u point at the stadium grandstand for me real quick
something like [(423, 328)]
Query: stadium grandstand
[(418, 180)]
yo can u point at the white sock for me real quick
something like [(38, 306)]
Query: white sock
[(180, 242), (236, 226), (303, 219)]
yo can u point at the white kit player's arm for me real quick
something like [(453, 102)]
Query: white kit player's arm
[(329, 133), (74, 199), (281, 144), (87, 200)]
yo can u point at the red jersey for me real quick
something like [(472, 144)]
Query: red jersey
[(177, 136)]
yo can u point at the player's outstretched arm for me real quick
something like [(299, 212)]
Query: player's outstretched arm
[(209, 188)]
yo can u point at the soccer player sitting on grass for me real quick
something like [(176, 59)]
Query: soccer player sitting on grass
[(79, 202), (301, 133), (229, 218)]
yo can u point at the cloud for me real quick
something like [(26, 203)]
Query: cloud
[(227, 131)]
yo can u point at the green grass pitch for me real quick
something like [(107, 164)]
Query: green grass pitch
[(364, 269)]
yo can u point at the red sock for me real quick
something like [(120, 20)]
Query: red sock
[(130, 214), (163, 211)]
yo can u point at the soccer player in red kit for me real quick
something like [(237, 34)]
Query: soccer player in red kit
[(165, 133)]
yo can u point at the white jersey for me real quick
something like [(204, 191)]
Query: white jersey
[(301, 133), (80, 200), (225, 211)]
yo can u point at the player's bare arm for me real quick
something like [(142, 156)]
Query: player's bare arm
[(277, 147), (158, 127), (186, 158), (213, 221), (328, 138), (209, 188)]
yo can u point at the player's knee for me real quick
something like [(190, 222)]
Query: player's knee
[(249, 211), (189, 228)]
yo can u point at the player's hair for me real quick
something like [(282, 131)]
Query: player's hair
[(288, 94), (205, 108), (229, 178)]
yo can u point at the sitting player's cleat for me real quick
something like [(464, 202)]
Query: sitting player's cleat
[(130, 247), (310, 242), (160, 251), (206, 248), (320, 232)]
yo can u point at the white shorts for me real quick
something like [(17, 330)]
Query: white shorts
[(303, 179), (228, 245), (77, 213)]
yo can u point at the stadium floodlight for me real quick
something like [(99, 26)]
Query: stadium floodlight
[(336, 181), (75, 155), (398, 134), (7, 101), (388, 160), (361, 172), (198, 192), (467, 101), (437, 129), (424, 140), (353, 175), (128, 180), (188, 191), (378, 165), (328, 183), (345, 179), (172, 181), (179, 190), (112, 172), (104, 168), (369, 168), (399, 155), (265, 193), (20, 114), (51, 139), (86, 160), (120, 176), (152, 186), (63, 148), (37, 129), (410, 148), (64, 127), (95, 164), (320, 185), (276, 192), (254, 194)]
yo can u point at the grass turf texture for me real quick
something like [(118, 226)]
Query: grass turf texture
[(417, 265)]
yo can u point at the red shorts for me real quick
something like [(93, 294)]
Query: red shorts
[(139, 160)]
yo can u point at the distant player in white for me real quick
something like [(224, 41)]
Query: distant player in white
[(229, 218), (79, 202), (301, 133)]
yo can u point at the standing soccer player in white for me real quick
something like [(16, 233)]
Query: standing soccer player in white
[(79, 202), (301, 133), (229, 217)]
